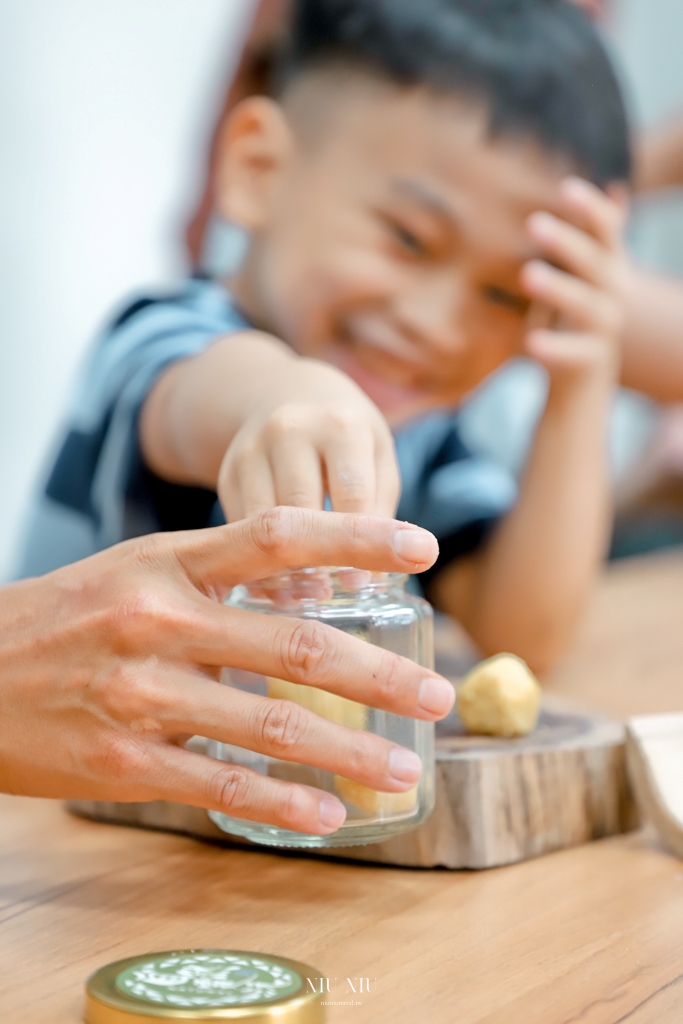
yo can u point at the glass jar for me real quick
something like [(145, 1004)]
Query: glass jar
[(373, 607)]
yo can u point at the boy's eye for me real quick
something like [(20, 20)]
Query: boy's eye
[(408, 240), (502, 297)]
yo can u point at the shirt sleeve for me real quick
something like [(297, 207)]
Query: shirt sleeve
[(99, 491)]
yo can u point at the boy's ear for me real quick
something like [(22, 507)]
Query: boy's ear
[(254, 148)]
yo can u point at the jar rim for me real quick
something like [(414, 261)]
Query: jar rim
[(323, 583)]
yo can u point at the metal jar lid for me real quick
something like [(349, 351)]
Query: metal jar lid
[(194, 985)]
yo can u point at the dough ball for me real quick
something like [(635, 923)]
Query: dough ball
[(500, 697), (371, 800), (328, 705)]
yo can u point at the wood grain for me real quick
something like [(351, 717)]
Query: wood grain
[(628, 659), (591, 935)]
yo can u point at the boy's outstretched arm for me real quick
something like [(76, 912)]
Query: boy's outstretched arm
[(525, 591), (263, 426)]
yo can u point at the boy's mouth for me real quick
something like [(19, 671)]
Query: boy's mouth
[(384, 365), (371, 334)]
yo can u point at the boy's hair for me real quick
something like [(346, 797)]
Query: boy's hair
[(538, 66)]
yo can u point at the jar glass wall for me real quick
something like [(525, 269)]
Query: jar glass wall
[(373, 607)]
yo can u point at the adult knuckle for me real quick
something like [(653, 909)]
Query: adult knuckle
[(140, 615), (132, 693), (283, 725), (273, 531), (117, 756), (120, 690), (305, 649), (229, 788)]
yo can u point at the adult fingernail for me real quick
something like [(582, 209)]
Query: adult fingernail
[(415, 546), (331, 813), (404, 765), (436, 696)]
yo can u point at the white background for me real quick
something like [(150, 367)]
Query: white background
[(105, 109)]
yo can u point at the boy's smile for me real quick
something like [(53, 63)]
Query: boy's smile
[(388, 241)]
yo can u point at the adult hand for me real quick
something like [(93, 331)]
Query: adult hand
[(109, 665)]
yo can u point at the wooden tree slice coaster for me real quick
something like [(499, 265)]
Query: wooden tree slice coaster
[(497, 801)]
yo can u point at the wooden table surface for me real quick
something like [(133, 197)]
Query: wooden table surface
[(591, 935)]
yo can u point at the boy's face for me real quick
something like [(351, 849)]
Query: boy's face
[(389, 240)]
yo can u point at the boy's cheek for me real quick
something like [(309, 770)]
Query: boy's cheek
[(493, 338)]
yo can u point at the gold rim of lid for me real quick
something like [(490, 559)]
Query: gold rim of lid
[(109, 1003)]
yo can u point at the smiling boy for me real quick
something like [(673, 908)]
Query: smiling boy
[(416, 213)]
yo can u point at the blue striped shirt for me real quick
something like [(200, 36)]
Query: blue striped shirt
[(99, 490)]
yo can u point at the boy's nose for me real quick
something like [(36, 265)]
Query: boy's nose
[(430, 313)]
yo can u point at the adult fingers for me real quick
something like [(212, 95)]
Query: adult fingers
[(184, 777), (314, 654), (285, 730), (284, 537)]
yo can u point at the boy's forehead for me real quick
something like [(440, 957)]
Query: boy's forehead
[(436, 153)]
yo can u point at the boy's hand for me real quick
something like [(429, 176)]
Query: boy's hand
[(577, 317), (315, 434)]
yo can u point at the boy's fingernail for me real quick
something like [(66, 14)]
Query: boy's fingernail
[(537, 273), (576, 188), (436, 696), (415, 545), (331, 813), (404, 765)]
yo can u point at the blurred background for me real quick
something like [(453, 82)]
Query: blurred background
[(106, 113)]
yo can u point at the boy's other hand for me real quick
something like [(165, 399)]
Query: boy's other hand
[(576, 321), (317, 435)]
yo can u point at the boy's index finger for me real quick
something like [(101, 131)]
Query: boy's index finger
[(590, 209)]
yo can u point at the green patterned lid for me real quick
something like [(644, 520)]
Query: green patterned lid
[(203, 984)]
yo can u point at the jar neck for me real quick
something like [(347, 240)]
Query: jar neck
[(324, 584)]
